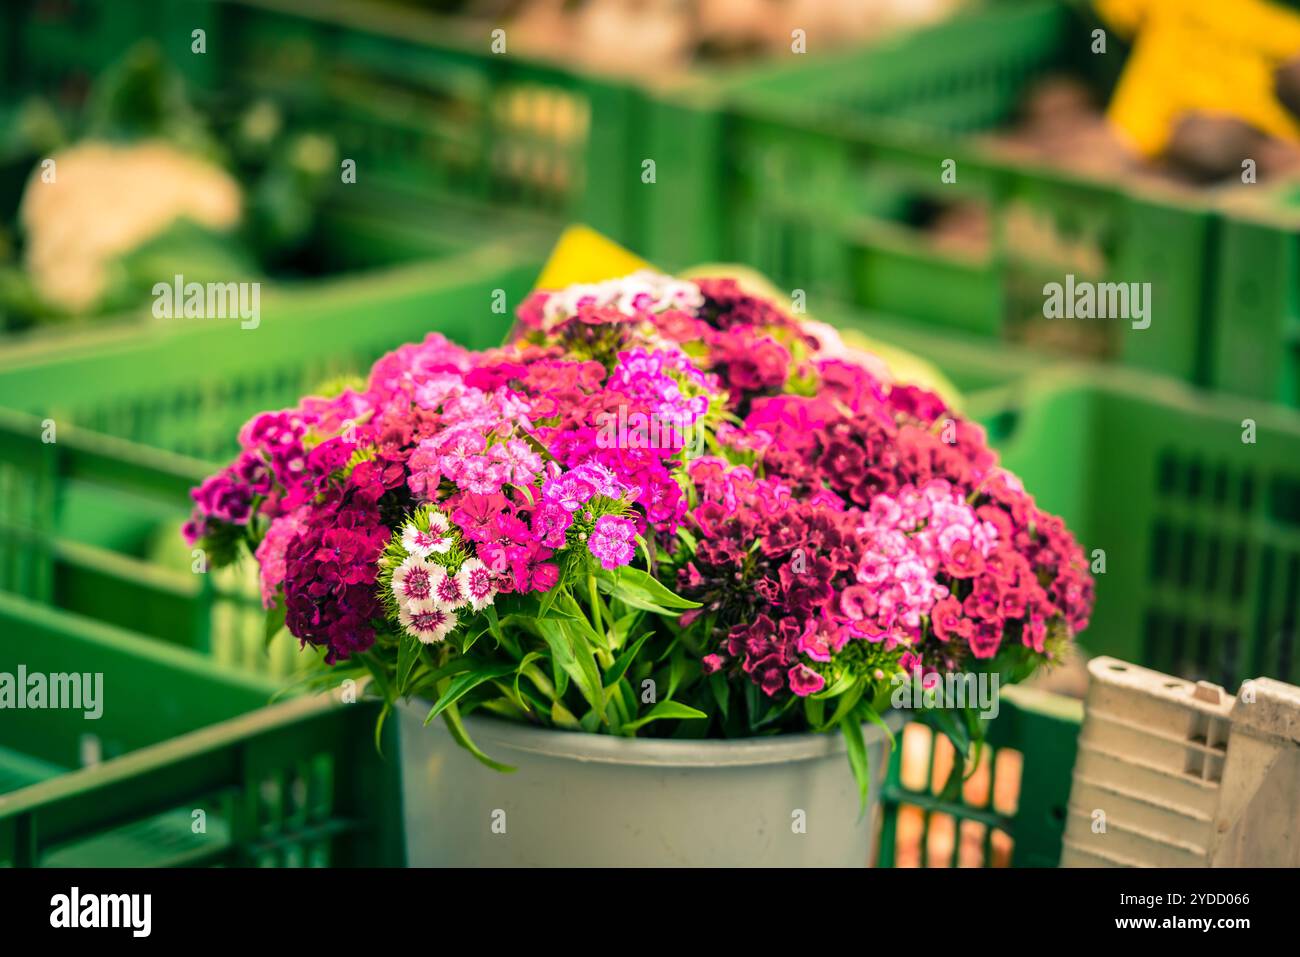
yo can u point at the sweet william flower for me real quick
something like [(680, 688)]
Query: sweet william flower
[(413, 581), (446, 589), (435, 541), (831, 531), (427, 621), (550, 522), (612, 541), (476, 583), (804, 681)]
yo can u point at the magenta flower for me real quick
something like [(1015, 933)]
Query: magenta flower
[(804, 681), (550, 522)]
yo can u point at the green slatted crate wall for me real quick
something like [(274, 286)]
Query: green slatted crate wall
[(1194, 500), (1257, 299), (186, 386), (298, 783), (828, 179)]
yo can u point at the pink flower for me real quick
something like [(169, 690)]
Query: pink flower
[(270, 553), (948, 622), (519, 463), (570, 491)]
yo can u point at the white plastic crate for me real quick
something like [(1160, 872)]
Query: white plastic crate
[(1172, 773)]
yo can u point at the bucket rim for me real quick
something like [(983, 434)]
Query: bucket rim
[(494, 735)]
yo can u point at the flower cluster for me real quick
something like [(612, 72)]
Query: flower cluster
[(819, 526)]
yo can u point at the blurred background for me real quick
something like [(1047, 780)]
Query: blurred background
[(920, 169)]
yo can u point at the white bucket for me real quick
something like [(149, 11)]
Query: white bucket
[(579, 800)]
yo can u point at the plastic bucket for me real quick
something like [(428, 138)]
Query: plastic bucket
[(579, 800)]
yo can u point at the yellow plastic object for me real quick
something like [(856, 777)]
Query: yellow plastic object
[(1207, 56), (583, 255)]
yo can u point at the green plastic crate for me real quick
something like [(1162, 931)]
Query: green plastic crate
[(1200, 528), (187, 385), (1016, 815), (1257, 300), (298, 783), (419, 103), (90, 521), (827, 178)]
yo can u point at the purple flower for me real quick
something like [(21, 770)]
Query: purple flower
[(570, 490), (612, 541)]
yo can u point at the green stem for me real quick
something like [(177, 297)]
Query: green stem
[(595, 603)]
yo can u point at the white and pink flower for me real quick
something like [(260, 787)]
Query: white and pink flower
[(427, 621), (447, 590), (435, 541), (476, 583), (413, 581)]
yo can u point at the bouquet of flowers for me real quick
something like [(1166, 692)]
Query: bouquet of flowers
[(664, 507)]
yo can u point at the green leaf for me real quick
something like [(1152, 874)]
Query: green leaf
[(638, 589), (872, 715), (621, 629), (664, 709), (858, 760), (575, 617), (721, 692), (573, 654), (523, 665), (617, 712), (379, 727), (678, 666), (462, 684), (954, 726), (494, 624), (380, 676), (408, 656), (431, 678), (457, 728), (548, 600), (471, 637), (814, 710), (621, 663), (846, 703), (562, 717)]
